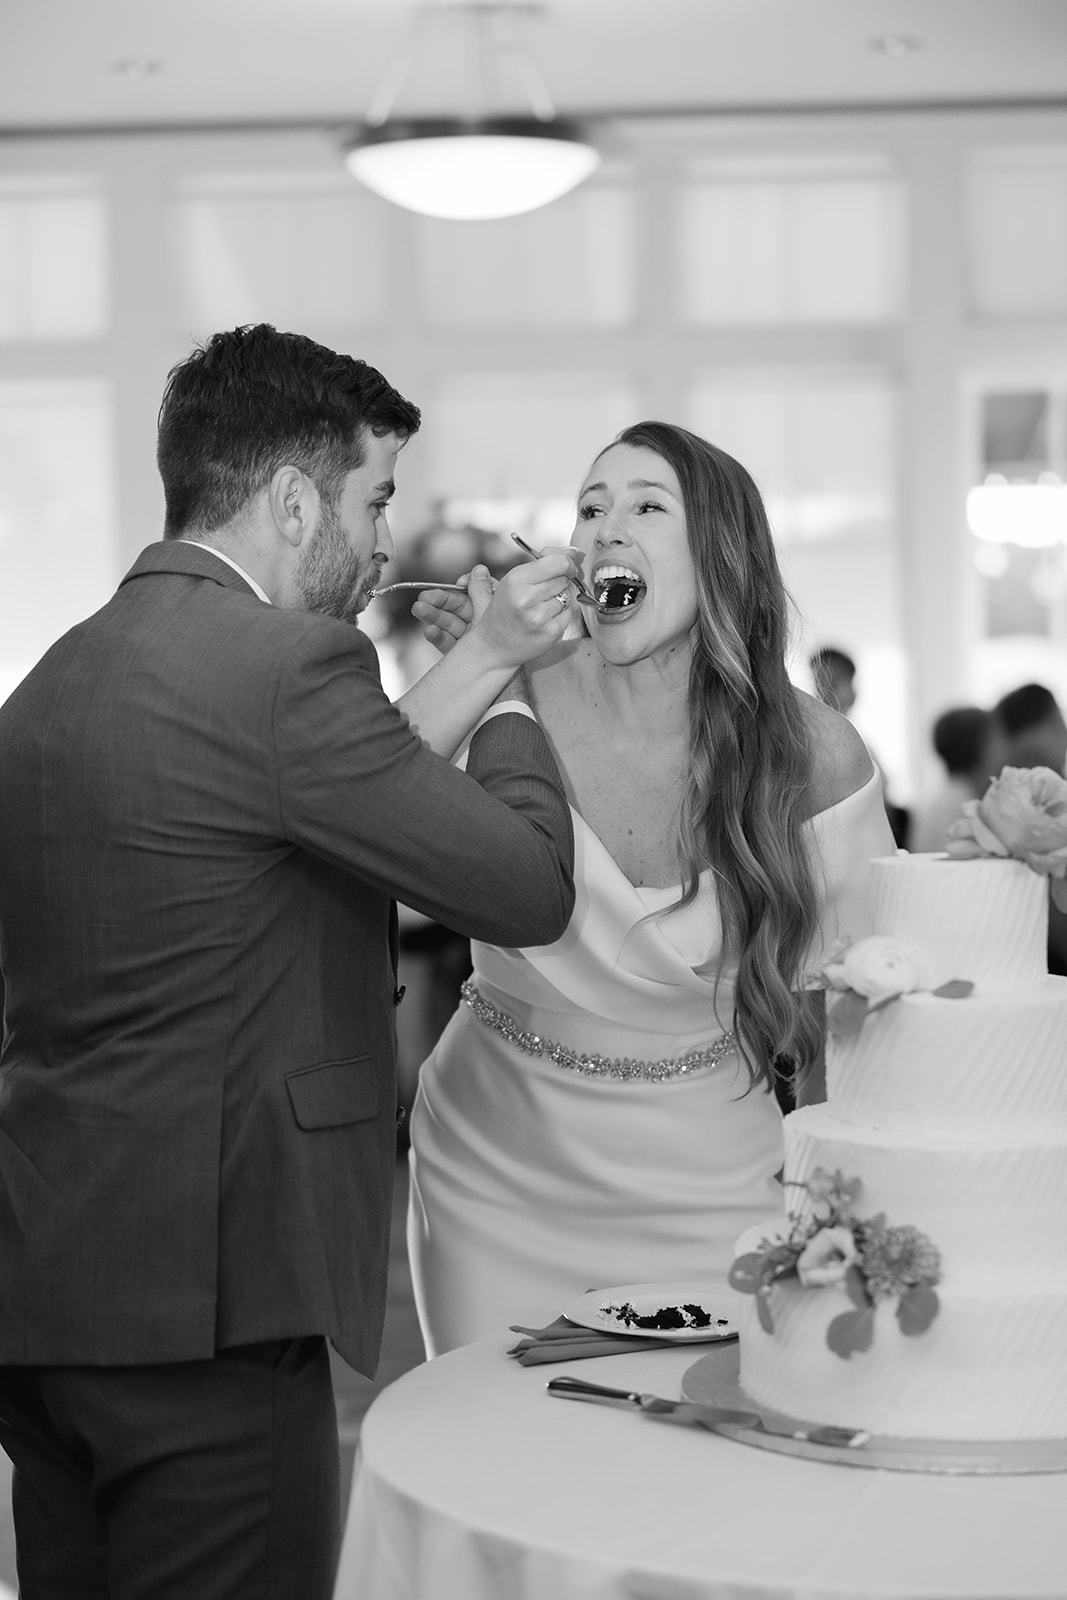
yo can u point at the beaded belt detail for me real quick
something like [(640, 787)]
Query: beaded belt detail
[(592, 1066)]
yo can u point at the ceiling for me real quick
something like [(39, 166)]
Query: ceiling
[(195, 63)]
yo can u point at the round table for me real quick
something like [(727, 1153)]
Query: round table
[(473, 1483)]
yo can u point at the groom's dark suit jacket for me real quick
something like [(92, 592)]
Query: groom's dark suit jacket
[(207, 806)]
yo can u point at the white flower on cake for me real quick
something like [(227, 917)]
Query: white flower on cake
[(873, 972), (826, 1257), (1023, 814), (868, 1259), (877, 968)]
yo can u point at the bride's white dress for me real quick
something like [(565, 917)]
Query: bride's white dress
[(532, 1182)]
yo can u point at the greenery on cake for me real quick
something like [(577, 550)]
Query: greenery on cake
[(1023, 814), (872, 973), (872, 1261)]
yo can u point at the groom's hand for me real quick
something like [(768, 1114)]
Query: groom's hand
[(527, 611), (445, 616)]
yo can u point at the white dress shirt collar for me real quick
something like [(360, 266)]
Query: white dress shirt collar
[(230, 562)]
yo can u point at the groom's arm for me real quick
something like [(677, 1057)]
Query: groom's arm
[(502, 630), (488, 852)]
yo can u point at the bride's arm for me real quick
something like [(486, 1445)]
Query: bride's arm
[(501, 630)]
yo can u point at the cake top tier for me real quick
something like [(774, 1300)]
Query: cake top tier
[(984, 920)]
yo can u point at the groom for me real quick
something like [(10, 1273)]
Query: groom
[(207, 809)]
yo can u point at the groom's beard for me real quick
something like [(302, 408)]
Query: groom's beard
[(331, 578)]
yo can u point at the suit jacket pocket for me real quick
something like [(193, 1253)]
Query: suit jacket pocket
[(333, 1093)]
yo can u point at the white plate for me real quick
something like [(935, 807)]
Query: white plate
[(594, 1310)]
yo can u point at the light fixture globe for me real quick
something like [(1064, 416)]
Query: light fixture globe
[(471, 170)]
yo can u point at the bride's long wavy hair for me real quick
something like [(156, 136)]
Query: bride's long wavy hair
[(743, 804)]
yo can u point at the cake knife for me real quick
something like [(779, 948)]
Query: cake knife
[(717, 1419)]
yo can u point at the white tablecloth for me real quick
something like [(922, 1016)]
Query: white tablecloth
[(474, 1484)]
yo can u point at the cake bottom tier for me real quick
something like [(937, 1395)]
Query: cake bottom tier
[(988, 1367)]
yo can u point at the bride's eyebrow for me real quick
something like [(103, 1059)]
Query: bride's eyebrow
[(634, 483)]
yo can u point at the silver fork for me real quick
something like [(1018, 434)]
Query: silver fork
[(429, 583), (582, 595)]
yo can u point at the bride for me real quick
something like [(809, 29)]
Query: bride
[(600, 1111)]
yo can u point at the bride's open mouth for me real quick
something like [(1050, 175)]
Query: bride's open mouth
[(617, 589)]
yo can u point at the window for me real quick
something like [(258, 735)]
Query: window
[(59, 556), (508, 449), (1017, 516), (772, 241), (53, 259), (300, 251), (1016, 218), (571, 264), (822, 446)]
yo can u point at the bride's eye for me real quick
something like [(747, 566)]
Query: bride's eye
[(585, 512), (651, 505)]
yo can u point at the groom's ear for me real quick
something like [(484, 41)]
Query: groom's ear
[(293, 503)]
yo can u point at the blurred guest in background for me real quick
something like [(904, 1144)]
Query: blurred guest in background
[(833, 672), (967, 741), (1031, 724), (1033, 729)]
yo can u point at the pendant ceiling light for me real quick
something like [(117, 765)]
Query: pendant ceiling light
[(478, 166)]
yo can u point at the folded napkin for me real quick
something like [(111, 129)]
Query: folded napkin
[(565, 1341)]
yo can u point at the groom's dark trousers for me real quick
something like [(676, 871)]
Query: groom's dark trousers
[(119, 1494), (208, 807)]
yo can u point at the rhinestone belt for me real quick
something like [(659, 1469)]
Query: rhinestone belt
[(592, 1066)]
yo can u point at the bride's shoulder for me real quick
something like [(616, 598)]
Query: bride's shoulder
[(840, 761)]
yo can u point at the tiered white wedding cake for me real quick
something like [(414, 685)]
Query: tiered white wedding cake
[(921, 1288)]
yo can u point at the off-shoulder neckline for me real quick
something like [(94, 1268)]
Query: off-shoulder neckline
[(672, 889)]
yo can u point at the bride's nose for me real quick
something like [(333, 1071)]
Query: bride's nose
[(611, 532)]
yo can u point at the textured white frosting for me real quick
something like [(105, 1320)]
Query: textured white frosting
[(985, 920), (995, 1209), (990, 1366), (985, 1066)]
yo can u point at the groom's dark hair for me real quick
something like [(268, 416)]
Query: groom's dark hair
[(252, 400)]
